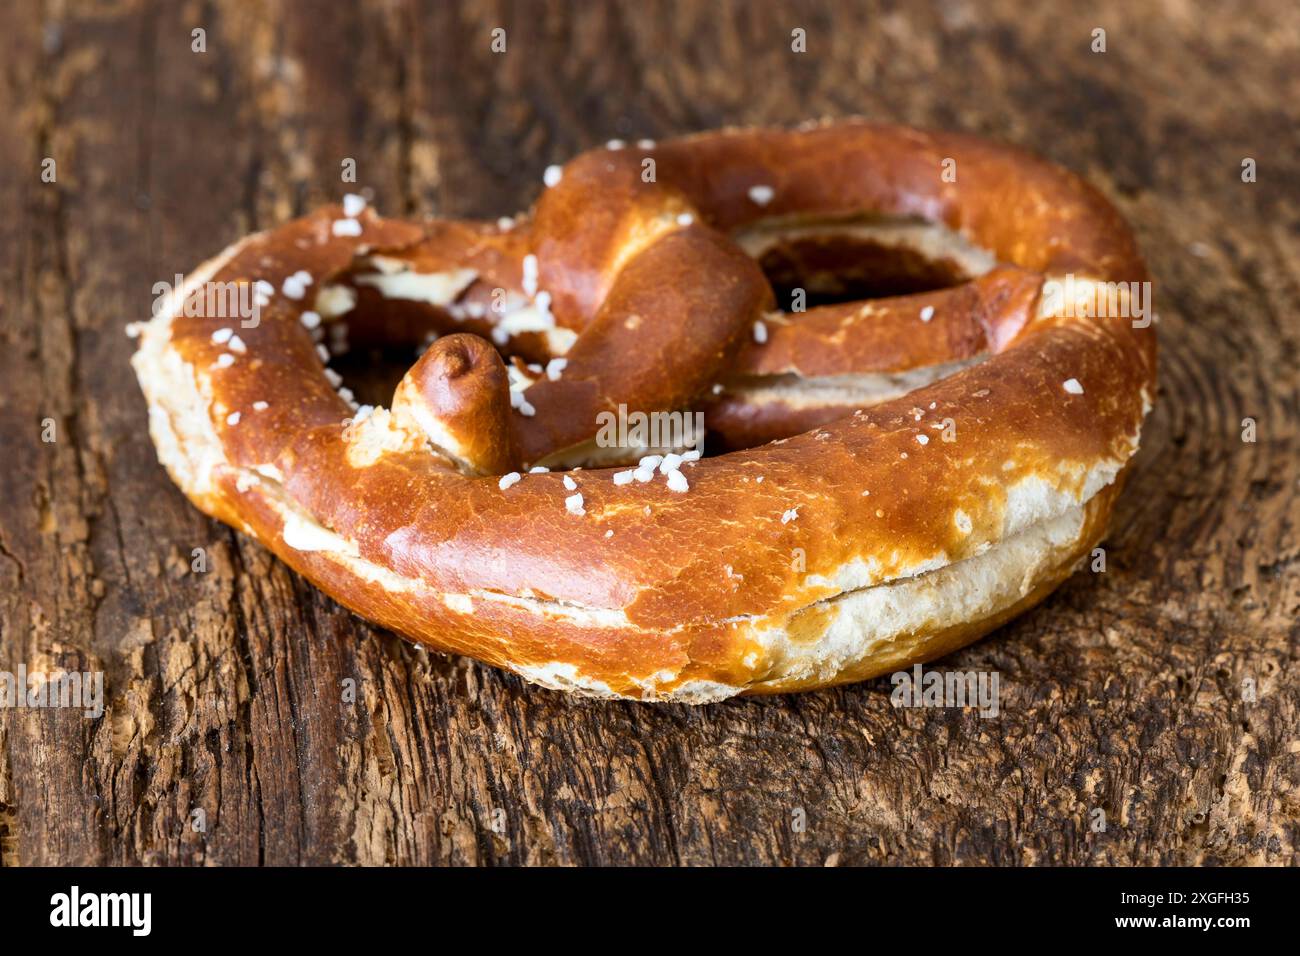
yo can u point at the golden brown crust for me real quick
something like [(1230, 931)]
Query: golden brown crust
[(756, 571), (888, 335)]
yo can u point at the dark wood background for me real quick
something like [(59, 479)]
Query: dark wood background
[(1123, 692)]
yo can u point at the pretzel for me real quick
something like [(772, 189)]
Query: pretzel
[(909, 473)]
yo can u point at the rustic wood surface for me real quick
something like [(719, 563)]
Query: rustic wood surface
[(1123, 692)]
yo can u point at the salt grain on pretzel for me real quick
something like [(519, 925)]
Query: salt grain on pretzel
[(682, 590)]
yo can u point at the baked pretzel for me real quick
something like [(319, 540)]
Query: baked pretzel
[(933, 462)]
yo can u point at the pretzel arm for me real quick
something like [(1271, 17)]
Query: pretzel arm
[(823, 364), (665, 332)]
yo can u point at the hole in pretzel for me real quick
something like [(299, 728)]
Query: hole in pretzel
[(849, 259), (835, 268), (374, 372)]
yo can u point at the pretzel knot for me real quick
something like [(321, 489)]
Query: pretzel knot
[(886, 479)]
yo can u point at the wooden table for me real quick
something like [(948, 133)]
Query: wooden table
[(1122, 693)]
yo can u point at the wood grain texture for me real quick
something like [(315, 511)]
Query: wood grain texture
[(1122, 692)]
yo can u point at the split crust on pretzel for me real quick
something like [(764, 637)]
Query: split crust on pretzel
[(859, 546)]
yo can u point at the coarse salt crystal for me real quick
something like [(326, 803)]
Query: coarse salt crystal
[(529, 280), (508, 480), (521, 404)]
